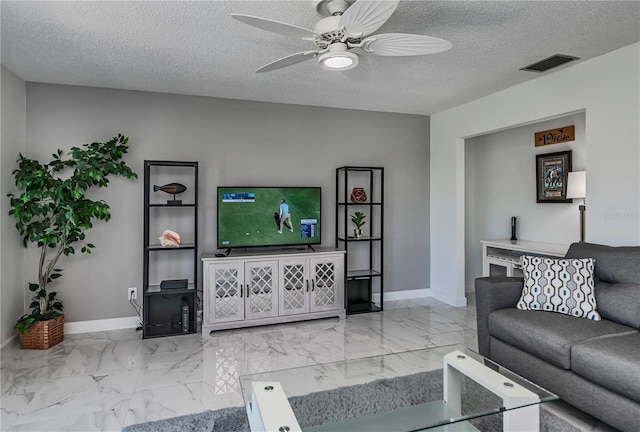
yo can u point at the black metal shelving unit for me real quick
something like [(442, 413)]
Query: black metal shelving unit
[(364, 264), (164, 308)]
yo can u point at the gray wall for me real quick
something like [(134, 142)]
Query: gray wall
[(500, 183), (236, 142), (12, 288), (606, 88)]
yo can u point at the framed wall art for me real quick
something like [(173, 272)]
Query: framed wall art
[(552, 170)]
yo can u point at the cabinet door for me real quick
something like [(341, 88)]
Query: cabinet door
[(261, 298), (294, 286), (225, 286), (326, 282)]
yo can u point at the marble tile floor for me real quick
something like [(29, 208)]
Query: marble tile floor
[(104, 381)]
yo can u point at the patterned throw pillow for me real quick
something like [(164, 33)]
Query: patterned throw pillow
[(559, 285)]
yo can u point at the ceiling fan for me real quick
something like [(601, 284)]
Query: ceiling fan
[(346, 33)]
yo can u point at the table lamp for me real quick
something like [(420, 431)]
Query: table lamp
[(577, 188)]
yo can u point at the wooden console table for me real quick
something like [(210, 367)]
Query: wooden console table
[(502, 257)]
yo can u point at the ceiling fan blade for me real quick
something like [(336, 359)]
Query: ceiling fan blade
[(400, 44), (366, 16), (288, 61), (275, 26)]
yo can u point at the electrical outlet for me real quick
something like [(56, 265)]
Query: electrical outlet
[(132, 293)]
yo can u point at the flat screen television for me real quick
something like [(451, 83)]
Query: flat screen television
[(268, 216)]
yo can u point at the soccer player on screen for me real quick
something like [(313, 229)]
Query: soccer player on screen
[(285, 216)]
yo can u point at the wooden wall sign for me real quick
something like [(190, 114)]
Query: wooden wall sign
[(555, 136)]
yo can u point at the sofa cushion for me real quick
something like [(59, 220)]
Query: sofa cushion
[(612, 362), (614, 264), (559, 285), (619, 302), (548, 335)]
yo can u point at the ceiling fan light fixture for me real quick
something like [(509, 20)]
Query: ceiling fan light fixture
[(338, 58), (335, 62)]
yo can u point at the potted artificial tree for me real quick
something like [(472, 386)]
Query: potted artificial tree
[(53, 212), (358, 219)]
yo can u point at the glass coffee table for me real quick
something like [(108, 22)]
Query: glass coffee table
[(447, 388)]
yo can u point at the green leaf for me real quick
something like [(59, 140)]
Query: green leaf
[(24, 323), (51, 209)]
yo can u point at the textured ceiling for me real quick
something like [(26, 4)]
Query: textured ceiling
[(195, 48)]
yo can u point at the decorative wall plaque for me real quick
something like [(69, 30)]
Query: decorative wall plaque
[(555, 136)]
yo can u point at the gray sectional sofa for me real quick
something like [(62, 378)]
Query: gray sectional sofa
[(592, 365)]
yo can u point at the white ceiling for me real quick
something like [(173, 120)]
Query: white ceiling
[(195, 48)]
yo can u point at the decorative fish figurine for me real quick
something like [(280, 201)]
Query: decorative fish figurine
[(171, 188)]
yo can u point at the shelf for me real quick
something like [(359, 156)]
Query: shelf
[(172, 205), (362, 285), (166, 329), (360, 204), (183, 246), (171, 163), (354, 274), (358, 168), (509, 258), (162, 309), (361, 239), (156, 290), (525, 247), (356, 308)]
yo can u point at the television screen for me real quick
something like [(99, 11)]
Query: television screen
[(268, 216)]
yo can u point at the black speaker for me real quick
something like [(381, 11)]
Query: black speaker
[(174, 284), (513, 228)]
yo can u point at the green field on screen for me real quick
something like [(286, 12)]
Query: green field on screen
[(246, 224)]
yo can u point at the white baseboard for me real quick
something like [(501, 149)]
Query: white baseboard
[(448, 299), (403, 295), (101, 325), (9, 341)]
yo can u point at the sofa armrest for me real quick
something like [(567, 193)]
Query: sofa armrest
[(493, 293)]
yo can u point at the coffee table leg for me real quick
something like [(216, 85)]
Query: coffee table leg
[(452, 389), (269, 409), (526, 419)]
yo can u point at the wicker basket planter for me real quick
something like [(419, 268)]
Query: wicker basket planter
[(43, 334)]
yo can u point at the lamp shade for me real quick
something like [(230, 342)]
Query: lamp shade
[(577, 184)]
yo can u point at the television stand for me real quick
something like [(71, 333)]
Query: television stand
[(311, 247), (259, 288)]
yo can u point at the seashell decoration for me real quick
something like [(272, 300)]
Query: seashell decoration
[(170, 239)]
